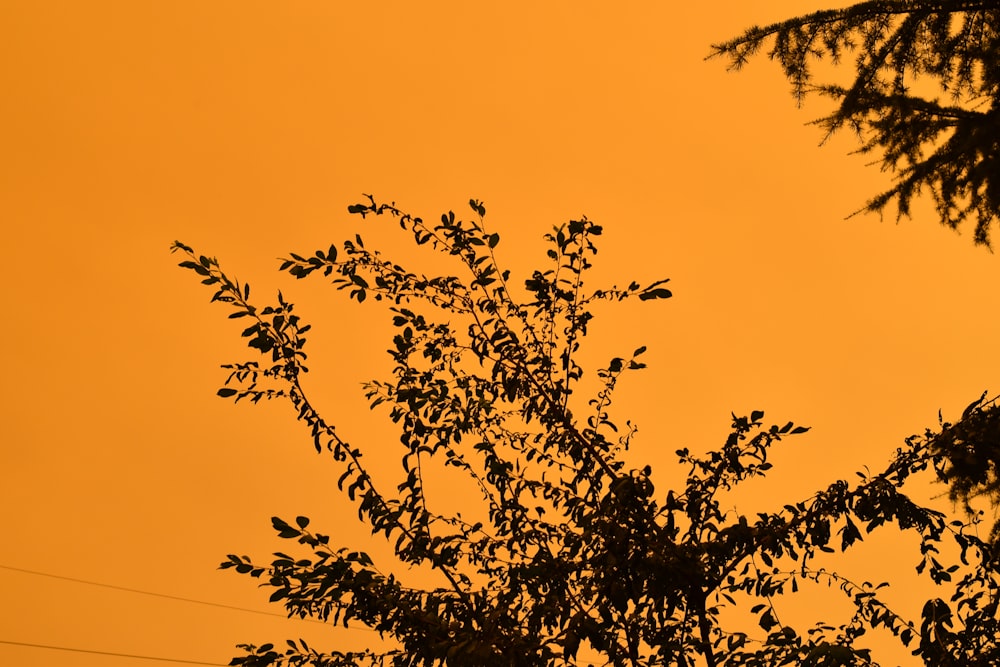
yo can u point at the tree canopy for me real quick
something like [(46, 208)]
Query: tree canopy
[(571, 552), (924, 95)]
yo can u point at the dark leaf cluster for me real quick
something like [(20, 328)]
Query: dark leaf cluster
[(925, 94), (967, 457)]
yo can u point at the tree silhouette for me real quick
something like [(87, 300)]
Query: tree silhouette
[(968, 459), (571, 553), (924, 95), (906, 54)]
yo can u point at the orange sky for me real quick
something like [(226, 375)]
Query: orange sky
[(246, 128)]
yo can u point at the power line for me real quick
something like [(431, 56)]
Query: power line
[(159, 595), (118, 655), (141, 592)]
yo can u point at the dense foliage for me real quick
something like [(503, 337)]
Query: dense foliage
[(967, 458), (572, 553), (924, 94)]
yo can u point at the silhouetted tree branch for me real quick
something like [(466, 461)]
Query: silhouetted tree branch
[(906, 54), (572, 552)]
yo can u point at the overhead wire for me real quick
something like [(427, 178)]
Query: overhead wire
[(151, 593), (112, 653), (129, 590)]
